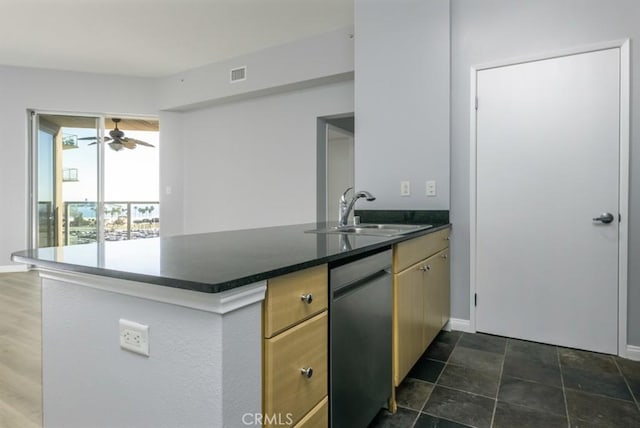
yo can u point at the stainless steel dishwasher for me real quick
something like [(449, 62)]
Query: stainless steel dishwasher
[(360, 340)]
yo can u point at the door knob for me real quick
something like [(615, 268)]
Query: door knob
[(604, 218)]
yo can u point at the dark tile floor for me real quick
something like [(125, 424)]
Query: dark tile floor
[(483, 381)]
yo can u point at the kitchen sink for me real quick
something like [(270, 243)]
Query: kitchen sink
[(374, 229)]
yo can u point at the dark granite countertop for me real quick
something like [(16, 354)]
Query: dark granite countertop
[(212, 262)]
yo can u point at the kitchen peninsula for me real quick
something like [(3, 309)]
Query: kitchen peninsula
[(200, 296)]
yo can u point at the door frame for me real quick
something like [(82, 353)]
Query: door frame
[(346, 134), (33, 116), (623, 197), (322, 124)]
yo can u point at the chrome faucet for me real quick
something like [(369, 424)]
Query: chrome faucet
[(345, 208)]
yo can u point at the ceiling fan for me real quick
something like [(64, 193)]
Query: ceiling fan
[(117, 141)]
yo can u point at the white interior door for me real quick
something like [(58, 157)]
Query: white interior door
[(548, 147)]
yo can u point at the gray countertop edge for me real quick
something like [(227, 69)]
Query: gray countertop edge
[(226, 285)]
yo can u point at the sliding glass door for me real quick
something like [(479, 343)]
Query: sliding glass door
[(66, 169), (88, 185)]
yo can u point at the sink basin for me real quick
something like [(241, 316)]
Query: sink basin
[(374, 229)]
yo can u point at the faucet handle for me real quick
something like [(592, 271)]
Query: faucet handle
[(343, 198)]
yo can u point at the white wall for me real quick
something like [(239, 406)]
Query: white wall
[(402, 101), (218, 137), (321, 58), (250, 163), (488, 30), (24, 88), (172, 172)]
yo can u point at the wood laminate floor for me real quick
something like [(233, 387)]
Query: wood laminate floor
[(20, 351)]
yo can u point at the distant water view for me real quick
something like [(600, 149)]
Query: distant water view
[(122, 221), (88, 209)]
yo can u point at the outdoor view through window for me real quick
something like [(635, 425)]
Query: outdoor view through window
[(68, 182)]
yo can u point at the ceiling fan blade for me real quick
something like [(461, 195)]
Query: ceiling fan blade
[(92, 144), (128, 144), (140, 142), (106, 139)]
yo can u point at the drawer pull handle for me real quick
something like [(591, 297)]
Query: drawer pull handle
[(447, 238), (307, 372), (307, 298), (444, 256), (425, 268)]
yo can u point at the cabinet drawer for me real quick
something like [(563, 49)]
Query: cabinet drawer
[(410, 252), (286, 389), (284, 306), (318, 417)]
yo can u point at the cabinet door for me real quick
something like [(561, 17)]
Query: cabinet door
[(432, 300), (437, 295), (443, 285), (408, 310)]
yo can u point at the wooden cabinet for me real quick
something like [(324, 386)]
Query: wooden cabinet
[(410, 252), (294, 297), (318, 417), (443, 277), (287, 390), (436, 296), (295, 349), (408, 319), (295, 328), (421, 296)]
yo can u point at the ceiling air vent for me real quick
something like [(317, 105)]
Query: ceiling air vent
[(238, 74)]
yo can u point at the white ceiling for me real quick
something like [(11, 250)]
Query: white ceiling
[(155, 37)]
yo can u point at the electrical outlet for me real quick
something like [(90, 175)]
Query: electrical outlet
[(431, 188), (134, 337), (405, 188)]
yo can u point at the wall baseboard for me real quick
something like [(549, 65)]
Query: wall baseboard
[(632, 352), (458, 325), (13, 268)]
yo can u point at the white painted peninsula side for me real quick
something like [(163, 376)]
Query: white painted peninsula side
[(203, 368)]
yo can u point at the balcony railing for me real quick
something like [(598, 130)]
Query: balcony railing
[(123, 220)]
